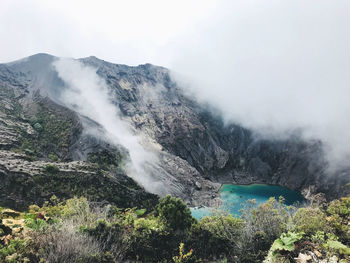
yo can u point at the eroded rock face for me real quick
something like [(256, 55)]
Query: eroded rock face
[(222, 153), (196, 150)]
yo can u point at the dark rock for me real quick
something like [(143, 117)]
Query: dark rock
[(195, 145)]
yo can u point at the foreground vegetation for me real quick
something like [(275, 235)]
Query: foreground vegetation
[(80, 231)]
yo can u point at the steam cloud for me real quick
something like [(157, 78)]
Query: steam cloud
[(275, 67), (88, 94)]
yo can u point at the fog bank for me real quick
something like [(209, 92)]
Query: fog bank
[(275, 67)]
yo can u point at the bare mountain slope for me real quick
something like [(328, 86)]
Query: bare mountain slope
[(195, 151)]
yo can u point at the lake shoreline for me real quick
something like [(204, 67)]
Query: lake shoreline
[(234, 196)]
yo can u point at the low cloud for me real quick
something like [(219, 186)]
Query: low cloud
[(275, 67)]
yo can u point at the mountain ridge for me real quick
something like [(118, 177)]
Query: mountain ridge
[(197, 152)]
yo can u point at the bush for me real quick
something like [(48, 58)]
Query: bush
[(53, 157), (112, 237), (264, 224), (217, 235), (63, 243), (311, 220), (174, 213), (340, 207), (52, 169), (339, 218)]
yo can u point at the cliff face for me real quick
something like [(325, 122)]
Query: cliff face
[(196, 150)]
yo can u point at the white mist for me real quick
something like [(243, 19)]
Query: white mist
[(88, 94)]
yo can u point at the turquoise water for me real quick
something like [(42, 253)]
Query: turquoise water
[(234, 197)]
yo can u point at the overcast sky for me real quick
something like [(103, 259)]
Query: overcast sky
[(270, 65), (130, 32)]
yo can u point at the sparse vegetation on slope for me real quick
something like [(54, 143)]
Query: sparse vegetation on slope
[(54, 129), (79, 231)]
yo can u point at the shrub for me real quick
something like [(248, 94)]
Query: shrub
[(217, 235), (53, 157), (115, 239), (52, 169), (339, 218), (264, 224), (311, 220), (106, 159), (340, 207), (64, 244), (174, 213)]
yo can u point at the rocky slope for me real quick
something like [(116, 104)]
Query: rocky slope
[(196, 150), (36, 138)]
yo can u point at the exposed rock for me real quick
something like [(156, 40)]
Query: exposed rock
[(9, 213), (302, 258), (198, 185), (318, 254), (333, 259), (197, 151)]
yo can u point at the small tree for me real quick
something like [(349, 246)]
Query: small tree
[(174, 213)]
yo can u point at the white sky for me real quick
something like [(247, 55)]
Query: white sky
[(127, 31), (270, 65)]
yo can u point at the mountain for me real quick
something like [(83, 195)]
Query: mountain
[(51, 145)]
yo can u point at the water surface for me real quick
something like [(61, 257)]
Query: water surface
[(234, 197)]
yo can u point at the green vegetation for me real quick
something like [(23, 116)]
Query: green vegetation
[(174, 213), (106, 160), (325, 231), (53, 128), (339, 216), (79, 231), (10, 105), (51, 169), (95, 184), (182, 257), (337, 247), (286, 242), (309, 220)]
